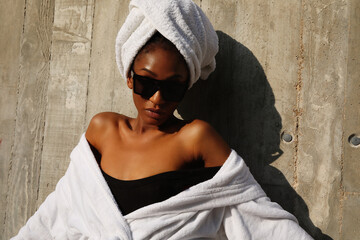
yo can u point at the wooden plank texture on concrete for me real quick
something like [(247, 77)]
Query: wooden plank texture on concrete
[(351, 181), (24, 173), (351, 217), (105, 83), (67, 92), (281, 69), (122, 100), (323, 78), (282, 65), (11, 23), (263, 100), (351, 158)]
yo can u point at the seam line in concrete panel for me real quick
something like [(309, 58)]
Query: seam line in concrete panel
[(341, 190), (90, 57), (343, 193), (51, 43), (297, 110), (16, 111), (48, 9), (25, 4)]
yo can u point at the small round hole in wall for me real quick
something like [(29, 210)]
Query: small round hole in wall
[(354, 140), (286, 137)]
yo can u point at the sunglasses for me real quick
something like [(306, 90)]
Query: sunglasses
[(146, 87)]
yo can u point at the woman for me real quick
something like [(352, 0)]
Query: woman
[(155, 176), (155, 141)]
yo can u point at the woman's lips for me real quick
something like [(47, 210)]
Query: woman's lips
[(153, 113)]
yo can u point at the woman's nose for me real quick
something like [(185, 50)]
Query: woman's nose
[(157, 98)]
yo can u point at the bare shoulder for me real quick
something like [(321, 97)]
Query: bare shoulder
[(104, 118), (206, 142), (101, 125), (198, 130)]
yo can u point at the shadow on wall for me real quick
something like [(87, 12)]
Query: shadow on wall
[(238, 102)]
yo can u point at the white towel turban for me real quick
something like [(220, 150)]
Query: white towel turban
[(180, 21)]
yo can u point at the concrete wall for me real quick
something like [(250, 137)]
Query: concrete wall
[(285, 95)]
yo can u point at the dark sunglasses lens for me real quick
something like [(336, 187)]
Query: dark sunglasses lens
[(145, 88), (173, 92)]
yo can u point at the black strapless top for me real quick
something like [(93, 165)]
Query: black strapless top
[(131, 195)]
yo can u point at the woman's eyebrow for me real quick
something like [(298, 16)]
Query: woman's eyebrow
[(175, 76), (147, 70)]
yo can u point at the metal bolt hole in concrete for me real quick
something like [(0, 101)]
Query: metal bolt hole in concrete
[(354, 140), (286, 137)]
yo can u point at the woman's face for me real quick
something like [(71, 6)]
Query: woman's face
[(159, 64)]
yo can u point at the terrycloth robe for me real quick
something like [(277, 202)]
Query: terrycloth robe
[(231, 205)]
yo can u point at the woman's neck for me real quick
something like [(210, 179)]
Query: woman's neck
[(139, 127)]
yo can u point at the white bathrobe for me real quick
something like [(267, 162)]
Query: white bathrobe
[(231, 205)]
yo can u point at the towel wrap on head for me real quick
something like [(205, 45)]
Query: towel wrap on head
[(180, 21)]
